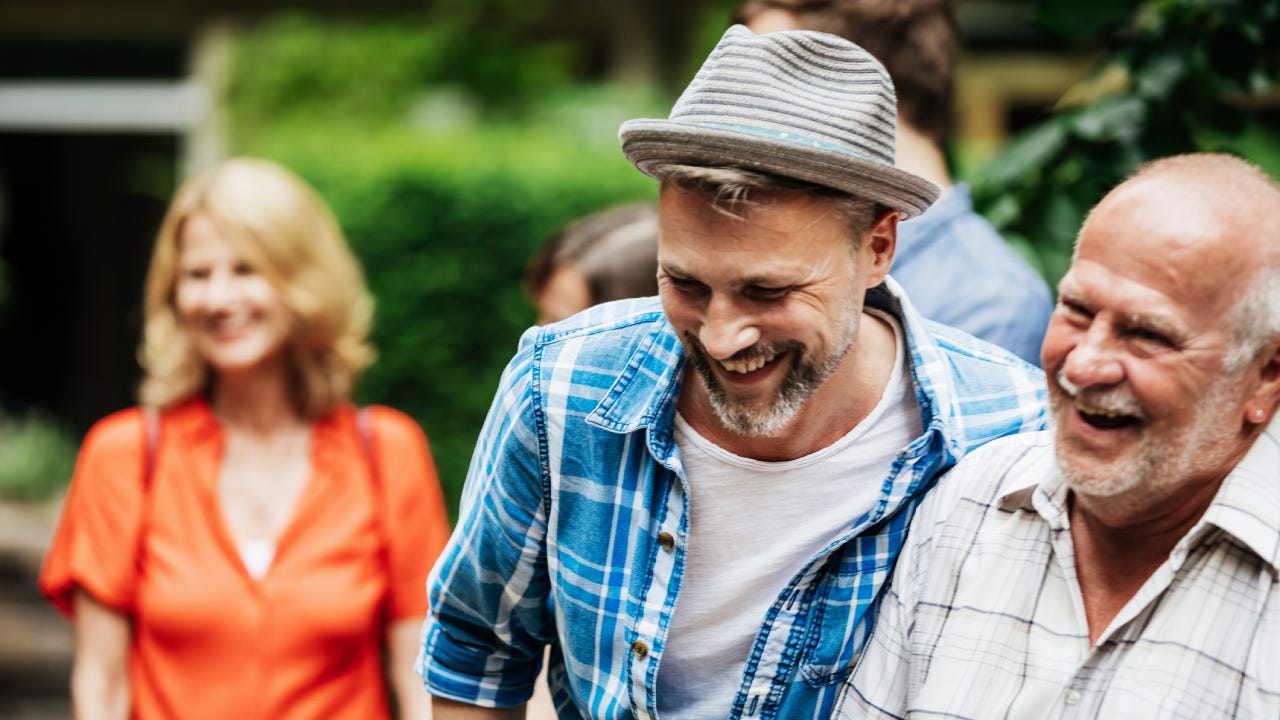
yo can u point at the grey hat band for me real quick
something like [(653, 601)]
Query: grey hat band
[(803, 105)]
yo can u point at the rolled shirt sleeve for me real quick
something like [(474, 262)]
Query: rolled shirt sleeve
[(484, 635)]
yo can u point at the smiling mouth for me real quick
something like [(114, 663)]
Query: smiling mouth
[(745, 366), (1106, 419)]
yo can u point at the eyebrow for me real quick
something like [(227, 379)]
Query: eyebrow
[(1151, 323)]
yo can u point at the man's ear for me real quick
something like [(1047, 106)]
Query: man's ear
[(1261, 403), (879, 245)]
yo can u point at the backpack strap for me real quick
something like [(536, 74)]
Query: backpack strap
[(364, 425), (150, 448), (151, 444)]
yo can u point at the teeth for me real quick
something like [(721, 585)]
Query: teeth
[(1104, 412), (749, 365)]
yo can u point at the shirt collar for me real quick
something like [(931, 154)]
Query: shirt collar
[(1036, 486), (1247, 506)]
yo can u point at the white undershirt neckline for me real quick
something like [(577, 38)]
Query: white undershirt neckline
[(770, 519), (257, 554)]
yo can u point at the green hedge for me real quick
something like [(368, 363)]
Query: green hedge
[(1195, 75)]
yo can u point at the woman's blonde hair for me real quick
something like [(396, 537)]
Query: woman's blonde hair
[(283, 227)]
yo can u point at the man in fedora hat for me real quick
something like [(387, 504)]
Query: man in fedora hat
[(695, 500)]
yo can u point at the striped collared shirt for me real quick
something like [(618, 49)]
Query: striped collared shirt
[(985, 618), (574, 520)]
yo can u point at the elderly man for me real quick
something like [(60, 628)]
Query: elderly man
[(950, 260), (1124, 564), (696, 501)]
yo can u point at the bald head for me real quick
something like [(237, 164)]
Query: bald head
[(1214, 221)]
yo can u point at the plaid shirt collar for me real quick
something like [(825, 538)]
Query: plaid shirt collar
[(646, 396), (1246, 506)]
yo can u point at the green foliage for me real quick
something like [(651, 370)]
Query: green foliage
[(370, 73), (1189, 69), (37, 457)]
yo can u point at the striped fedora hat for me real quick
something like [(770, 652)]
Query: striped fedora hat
[(799, 104)]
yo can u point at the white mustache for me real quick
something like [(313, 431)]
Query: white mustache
[(1112, 400)]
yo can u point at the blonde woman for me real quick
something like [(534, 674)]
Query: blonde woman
[(250, 545)]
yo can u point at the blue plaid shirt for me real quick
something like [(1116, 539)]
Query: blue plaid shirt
[(574, 522)]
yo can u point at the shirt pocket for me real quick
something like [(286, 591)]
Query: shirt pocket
[(844, 606)]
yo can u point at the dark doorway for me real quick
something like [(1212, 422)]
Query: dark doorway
[(80, 214)]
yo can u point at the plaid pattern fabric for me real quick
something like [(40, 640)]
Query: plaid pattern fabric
[(984, 618), (573, 527)]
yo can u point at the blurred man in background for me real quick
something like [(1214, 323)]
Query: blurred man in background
[(607, 255)]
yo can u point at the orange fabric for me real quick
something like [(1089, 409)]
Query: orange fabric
[(305, 641)]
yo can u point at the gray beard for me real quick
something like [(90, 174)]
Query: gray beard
[(802, 380)]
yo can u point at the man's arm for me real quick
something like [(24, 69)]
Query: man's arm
[(402, 648), (488, 625)]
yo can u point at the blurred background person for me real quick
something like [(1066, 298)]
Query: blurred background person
[(249, 544), (954, 266), (607, 255)]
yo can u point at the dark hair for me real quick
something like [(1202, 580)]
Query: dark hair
[(616, 250), (730, 189), (917, 41)]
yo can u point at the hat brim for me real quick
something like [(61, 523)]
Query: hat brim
[(647, 143)]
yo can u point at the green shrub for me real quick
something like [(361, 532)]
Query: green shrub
[(37, 457), (1194, 74)]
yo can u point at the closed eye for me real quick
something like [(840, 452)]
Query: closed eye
[(1150, 336), (761, 293), (686, 286), (1074, 309)]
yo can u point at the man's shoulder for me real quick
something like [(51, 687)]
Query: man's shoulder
[(607, 323), (959, 271), (622, 358), (1001, 474), (979, 251), (602, 334), (977, 368)]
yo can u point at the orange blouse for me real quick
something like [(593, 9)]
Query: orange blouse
[(304, 641)]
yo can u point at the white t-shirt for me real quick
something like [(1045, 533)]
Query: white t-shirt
[(752, 526)]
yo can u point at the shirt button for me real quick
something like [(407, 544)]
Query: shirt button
[(666, 540), (640, 648), (1072, 697)]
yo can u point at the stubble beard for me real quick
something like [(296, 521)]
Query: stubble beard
[(803, 379), (1160, 465)]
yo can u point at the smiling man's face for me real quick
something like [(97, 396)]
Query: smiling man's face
[(1143, 404), (767, 305)]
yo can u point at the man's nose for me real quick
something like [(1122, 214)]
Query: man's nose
[(1095, 359), (726, 328)]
